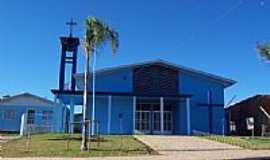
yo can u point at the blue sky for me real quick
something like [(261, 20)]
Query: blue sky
[(211, 35)]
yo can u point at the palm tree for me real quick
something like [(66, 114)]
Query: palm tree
[(264, 50), (97, 34)]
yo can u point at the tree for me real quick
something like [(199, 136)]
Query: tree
[(96, 35), (264, 50)]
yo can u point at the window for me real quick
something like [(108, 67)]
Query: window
[(47, 115), (232, 126), (9, 114), (31, 117)]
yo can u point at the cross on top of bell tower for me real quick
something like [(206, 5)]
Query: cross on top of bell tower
[(69, 45), (71, 24)]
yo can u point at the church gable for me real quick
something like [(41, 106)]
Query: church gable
[(155, 79), (152, 78)]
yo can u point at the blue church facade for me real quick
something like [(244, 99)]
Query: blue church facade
[(156, 97)]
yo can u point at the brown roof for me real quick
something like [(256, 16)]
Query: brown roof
[(253, 102)]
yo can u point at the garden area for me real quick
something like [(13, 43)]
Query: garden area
[(63, 145)]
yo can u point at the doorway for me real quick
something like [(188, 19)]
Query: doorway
[(148, 118)]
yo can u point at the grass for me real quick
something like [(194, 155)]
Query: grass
[(256, 143), (55, 145)]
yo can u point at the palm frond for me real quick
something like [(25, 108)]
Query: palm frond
[(97, 34), (264, 50)]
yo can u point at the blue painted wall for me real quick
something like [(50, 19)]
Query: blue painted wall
[(199, 86), (121, 107), (114, 81), (14, 124)]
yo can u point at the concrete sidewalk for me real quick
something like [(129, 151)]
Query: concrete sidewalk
[(191, 148), (4, 139)]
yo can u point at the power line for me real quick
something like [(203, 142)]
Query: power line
[(223, 15), (229, 11)]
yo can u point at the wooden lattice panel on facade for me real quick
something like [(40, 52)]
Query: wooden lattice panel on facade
[(155, 80)]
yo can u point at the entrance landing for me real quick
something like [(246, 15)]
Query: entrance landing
[(187, 147)]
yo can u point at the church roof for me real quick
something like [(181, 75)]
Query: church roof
[(224, 81)]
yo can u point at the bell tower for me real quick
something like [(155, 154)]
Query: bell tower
[(69, 51)]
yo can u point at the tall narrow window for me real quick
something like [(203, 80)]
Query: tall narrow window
[(232, 126), (31, 116)]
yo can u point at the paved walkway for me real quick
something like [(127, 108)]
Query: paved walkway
[(4, 139), (184, 147)]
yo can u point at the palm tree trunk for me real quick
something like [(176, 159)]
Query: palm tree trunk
[(93, 92), (85, 103)]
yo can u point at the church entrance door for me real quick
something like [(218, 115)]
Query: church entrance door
[(148, 119)]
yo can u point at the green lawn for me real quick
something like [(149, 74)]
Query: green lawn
[(48, 145), (256, 143)]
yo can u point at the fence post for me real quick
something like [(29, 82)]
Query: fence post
[(89, 133)]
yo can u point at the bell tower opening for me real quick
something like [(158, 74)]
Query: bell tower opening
[(69, 52)]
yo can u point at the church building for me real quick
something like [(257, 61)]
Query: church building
[(154, 97)]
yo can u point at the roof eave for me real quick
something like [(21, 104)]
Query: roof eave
[(80, 92), (225, 81)]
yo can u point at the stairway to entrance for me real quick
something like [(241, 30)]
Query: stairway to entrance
[(189, 148)]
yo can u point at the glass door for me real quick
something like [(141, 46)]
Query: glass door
[(156, 122), (147, 119), (143, 119), (168, 122)]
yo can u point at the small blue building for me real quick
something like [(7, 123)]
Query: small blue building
[(19, 112), (155, 97)]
